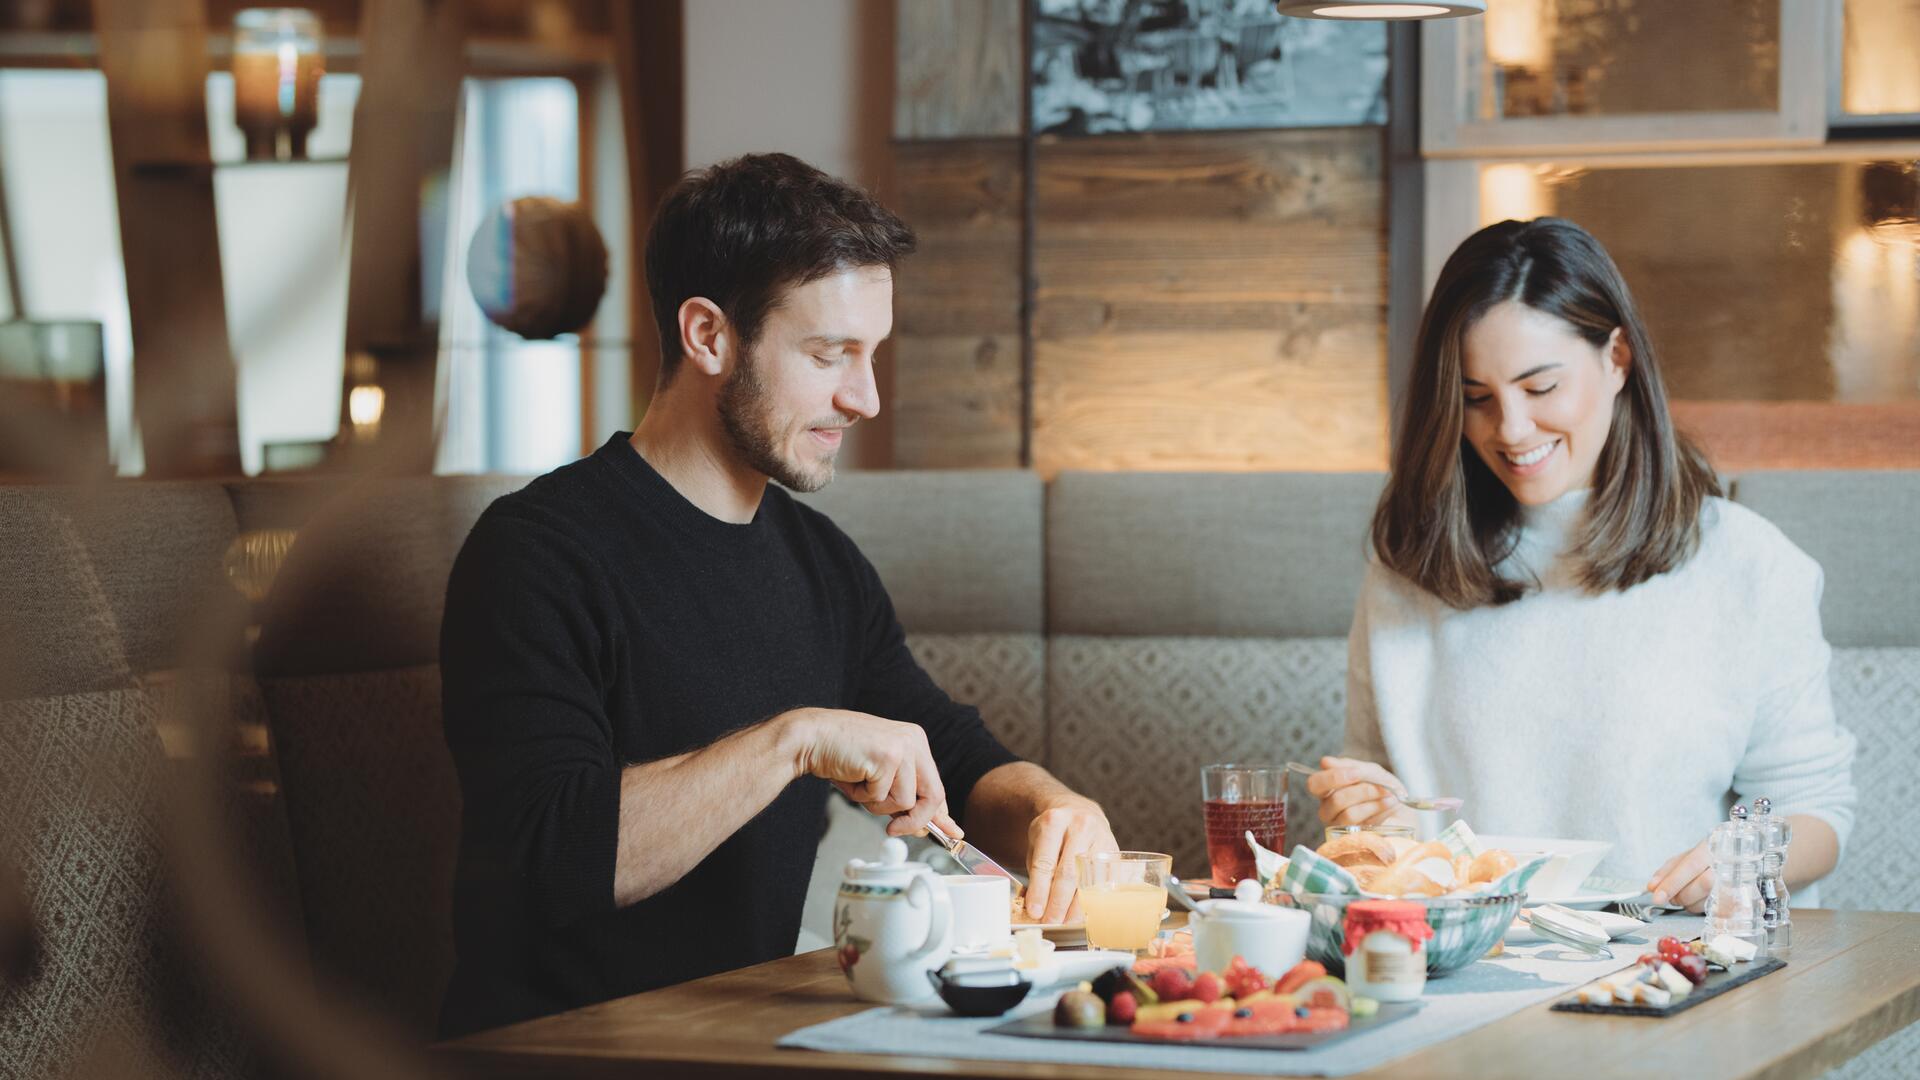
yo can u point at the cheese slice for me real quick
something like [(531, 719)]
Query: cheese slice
[(1674, 983)]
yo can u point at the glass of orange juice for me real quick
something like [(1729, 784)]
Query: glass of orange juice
[(1123, 894)]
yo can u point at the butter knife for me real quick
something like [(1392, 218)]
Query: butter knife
[(970, 858)]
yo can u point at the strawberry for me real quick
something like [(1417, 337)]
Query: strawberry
[(1207, 987), (1303, 971), (1123, 1008)]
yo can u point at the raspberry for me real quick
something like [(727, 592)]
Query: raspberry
[(1172, 984), (1123, 1008), (1207, 987)]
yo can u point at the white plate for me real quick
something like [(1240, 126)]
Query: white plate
[(1615, 926), (1596, 892)]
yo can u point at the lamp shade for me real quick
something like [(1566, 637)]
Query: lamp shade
[(1374, 9)]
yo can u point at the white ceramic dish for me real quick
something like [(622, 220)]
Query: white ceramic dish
[(1615, 926), (1595, 892), (1572, 863)]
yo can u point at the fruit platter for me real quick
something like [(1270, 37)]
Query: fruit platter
[(1240, 1007)]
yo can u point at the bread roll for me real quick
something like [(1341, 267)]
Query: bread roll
[(1358, 849), (1421, 877), (1491, 865)]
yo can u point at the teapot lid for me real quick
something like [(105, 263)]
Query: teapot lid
[(891, 864)]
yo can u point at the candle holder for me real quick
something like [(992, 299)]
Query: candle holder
[(276, 80)]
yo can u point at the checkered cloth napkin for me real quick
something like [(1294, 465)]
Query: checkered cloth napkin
[(1307, 874)]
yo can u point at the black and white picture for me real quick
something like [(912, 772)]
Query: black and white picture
[(1185, 65)]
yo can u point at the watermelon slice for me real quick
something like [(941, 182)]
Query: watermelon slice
[(1205, 1024)]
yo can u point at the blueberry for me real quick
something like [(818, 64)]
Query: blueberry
[(1244, 1014), (1302, 1011), (1184, 1018)]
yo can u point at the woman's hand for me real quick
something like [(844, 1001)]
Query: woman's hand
[(1686, 879), (1353, 792)]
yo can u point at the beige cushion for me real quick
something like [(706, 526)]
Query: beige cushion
[(1002, 675), (1861, 527), (374, 809), (1264, 555), (959, 552), (159, 550), (57, 630), (364, 585), (1134, 719)]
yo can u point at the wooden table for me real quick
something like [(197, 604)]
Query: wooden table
[(1852, 980)]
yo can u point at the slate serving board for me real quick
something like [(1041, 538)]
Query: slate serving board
[(1717, 983), (1041, 1026)]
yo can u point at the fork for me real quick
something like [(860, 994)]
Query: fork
[(1643, 908), (1423, 802)]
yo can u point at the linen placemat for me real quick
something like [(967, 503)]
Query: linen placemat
[(1454, 1005)]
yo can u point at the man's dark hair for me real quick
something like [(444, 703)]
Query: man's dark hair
[(742, 232)]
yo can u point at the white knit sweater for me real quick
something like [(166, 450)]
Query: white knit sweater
[(1635, 716)]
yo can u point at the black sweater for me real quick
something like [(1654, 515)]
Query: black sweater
[(597, 619)]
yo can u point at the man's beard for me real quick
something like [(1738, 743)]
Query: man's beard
[(747, 415)]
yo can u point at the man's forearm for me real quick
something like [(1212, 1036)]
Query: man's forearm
[(675, 811), (1004, 804)]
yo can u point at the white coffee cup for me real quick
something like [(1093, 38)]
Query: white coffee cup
[(981, 910), (1271, 938)]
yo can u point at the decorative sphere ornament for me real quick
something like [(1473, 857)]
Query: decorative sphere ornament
[(538, 267)]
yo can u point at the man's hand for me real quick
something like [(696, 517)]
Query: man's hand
[(1071, 825), (1686, 879), (884, 765)]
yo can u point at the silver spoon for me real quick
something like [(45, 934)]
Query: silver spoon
[(1179, 893), (1411, 802)]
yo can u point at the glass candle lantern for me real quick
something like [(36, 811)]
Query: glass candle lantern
[(276, 80)]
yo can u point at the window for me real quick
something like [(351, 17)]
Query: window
[(513, 406)]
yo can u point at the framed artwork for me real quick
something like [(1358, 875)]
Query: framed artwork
[(1103, 66)]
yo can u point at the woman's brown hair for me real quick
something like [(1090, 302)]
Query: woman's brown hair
[(1445, 521)]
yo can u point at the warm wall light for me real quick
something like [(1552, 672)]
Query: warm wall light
[(1513, 191), (365, 404), (1518, 34), (1369, 9), (276, 80)]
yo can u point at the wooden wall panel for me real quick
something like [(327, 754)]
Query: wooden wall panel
[(958, 65), (1211, 301), (154, 57), (1747, 436), (956, 351)]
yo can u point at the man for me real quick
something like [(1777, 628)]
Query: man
[(655, 664)]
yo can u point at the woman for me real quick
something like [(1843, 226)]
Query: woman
[(1563, 622)]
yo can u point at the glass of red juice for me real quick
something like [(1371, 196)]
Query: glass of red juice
[(1238, 799)]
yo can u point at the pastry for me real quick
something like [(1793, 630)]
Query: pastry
[(1358, 849), (1490, 866)]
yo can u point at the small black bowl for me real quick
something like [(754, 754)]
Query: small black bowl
[(980, 993)]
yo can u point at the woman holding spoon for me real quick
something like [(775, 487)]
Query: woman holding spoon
[(1562, 621)]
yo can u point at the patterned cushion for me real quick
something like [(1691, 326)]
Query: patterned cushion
[(374, 810), (108, 992), (1133, 719), (1000, 674), (57, 630), (1876, 695)]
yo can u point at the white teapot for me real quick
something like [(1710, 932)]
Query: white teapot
[(892, 924)]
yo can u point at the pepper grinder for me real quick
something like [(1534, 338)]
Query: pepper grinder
[(1775, 834), (1735, 907)]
